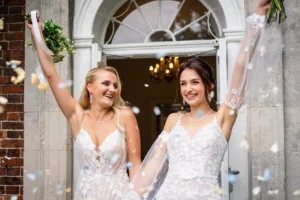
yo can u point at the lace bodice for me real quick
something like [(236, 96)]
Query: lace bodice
[(103, 173), (198, 156)]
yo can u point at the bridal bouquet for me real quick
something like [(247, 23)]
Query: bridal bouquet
[(276, 12), (56, 42)]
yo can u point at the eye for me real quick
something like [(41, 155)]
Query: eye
[(116, 86), (195, 82), (106, 83), (182, 84)]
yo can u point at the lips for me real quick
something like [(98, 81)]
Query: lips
[(190, 96)]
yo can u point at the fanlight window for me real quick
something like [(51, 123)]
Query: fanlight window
[(142, 21)]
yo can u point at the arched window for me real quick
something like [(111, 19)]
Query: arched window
[(144, 21)]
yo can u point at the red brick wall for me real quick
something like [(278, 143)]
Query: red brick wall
[(11, 120)]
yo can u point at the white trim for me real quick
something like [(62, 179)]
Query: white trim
[(234, 35), (158, 30), (83, 41), (180, 48)]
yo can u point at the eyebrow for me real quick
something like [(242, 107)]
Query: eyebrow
[(195, 79)]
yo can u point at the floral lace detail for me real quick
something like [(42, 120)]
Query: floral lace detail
[(194, 164), (103, 173)]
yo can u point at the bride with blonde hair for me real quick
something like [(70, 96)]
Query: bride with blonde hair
[(105, 131)]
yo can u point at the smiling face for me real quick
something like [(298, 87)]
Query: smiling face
[(104, 89), (192, 88)]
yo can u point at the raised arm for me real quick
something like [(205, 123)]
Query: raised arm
[(66, 102), (248, 64)]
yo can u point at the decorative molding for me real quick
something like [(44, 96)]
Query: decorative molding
[(83, 41)]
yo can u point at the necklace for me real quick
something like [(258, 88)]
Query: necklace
[(100, 121), (196, 121)]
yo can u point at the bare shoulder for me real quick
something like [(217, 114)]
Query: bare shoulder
[(171, 121), (126, 114)]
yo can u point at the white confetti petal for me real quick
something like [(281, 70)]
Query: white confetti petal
[(275, 90), (272, 192), (296, 193), (250, 66), (156, 110), (146, 85), (135, 110), (65, 84), (143, 173), (231, 112), (129, 165), (274, 148), (14, 197), (218, 190), (267, 174), (3, 100), (68, 190), (256, 190), (34, 190), (31, 176)]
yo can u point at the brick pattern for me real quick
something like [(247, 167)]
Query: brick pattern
[(11, 120)]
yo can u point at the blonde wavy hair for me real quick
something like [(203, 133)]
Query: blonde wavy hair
[(118, 103)]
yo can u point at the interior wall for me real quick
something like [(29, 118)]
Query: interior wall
[(134, 74)]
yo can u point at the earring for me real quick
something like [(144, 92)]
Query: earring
[(209, 99), (91, 97), (183, 102)]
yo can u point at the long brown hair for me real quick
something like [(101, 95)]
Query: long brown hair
[(85, 95), (205, 72)]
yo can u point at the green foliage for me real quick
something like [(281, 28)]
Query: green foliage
[(58, 43), (276, 12)]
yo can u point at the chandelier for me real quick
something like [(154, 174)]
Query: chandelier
[(167, 69)]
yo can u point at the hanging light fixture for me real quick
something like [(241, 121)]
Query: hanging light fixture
[(167, 69)]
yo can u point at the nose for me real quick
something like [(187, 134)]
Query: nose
[(188, 87), (112, 88)]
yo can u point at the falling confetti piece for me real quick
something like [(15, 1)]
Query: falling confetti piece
[(232, 178), (146, 85), (143, 174), (212, 94), (260, 178), (131, 186), (246, 49), (199, 113), (274, 148), (129, 165), (272, 192), (8, 158), (135, 110), (160, 55), (218, 190), (231, 112), (296, 193), (16, 62), (244, 142), (68, 190), (267, 174), (34, 79), (43, 86), (21, 75), (156, 110), (65, 84), (250, 66), (1, 24), (3, 100), (59, 190), (270, 69), (14, 197), (234, 91), (115, 158), (34, 190), (256, 190), (31, 176), (275, 90)]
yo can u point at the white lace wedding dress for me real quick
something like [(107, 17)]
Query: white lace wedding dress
[(178, 167), (103, 174)]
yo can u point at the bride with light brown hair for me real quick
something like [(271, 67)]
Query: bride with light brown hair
[(105, 131)]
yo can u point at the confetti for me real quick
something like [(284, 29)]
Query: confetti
[(135, 110), (156, 110), (129, 165), (231, 112), (8, 158), (31, 176), (232, 178), (34, 190), (274, 148), (68, 190), (65, 84), (14, 197), (59, 190), (270, 70), (296, 193), (1, 24), (212, 94), (267, 174), (160, 55), (3, 100), (146, 85), (275, 90), (143, 174), (256, 190), (115, 158), (260, 178), (234, 91), (218, 190), (131, 186), (43, 86), (34, 79), (250, 66), (272, 192), (21, 75)]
